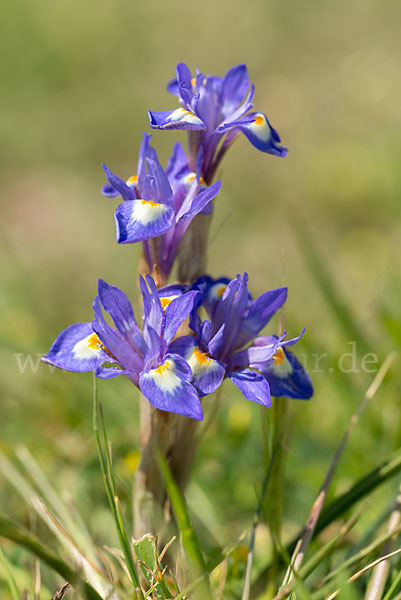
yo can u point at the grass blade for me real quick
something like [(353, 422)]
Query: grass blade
[(303, 543), (73, 524), (359, 557), (247, 579), (15, 533), (379, 575), (189, 538), (363, 487), (9, 577), (394, 587), (107, 470)]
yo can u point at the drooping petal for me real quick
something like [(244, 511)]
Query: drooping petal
[(78, 349), (287, 377), (166, 388), (263, 136), (126, 192), (179, 118), (138, 220), (207, 373), (252, 385)]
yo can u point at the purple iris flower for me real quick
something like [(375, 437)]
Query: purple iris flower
[(159, 205), (226, 344), (145, 357), (215, 111)]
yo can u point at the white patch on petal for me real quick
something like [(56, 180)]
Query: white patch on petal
[(164, 377), (87, 348), (216, 291), (199, 361), (190, 177), (182, 114), (132, 182), (166, 300), (281, 365), (146, 211), (260, 128)]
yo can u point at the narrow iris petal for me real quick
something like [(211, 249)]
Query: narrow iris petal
[(184, 83), (234, 87), (116, 303), (177, 311), (120, 185)]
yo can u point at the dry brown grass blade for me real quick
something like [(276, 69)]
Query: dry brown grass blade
[(379, 575), (373, 564), (362, 571), (222, 580), (62, 592)]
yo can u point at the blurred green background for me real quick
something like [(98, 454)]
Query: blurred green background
[(77, 79)]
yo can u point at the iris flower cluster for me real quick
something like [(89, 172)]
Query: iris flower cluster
[(223, 322)]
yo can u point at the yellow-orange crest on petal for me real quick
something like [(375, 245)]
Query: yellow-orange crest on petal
[(201, 357), (94, 342), (165, 302), (161, 369), (149, 203), (279, 356)]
